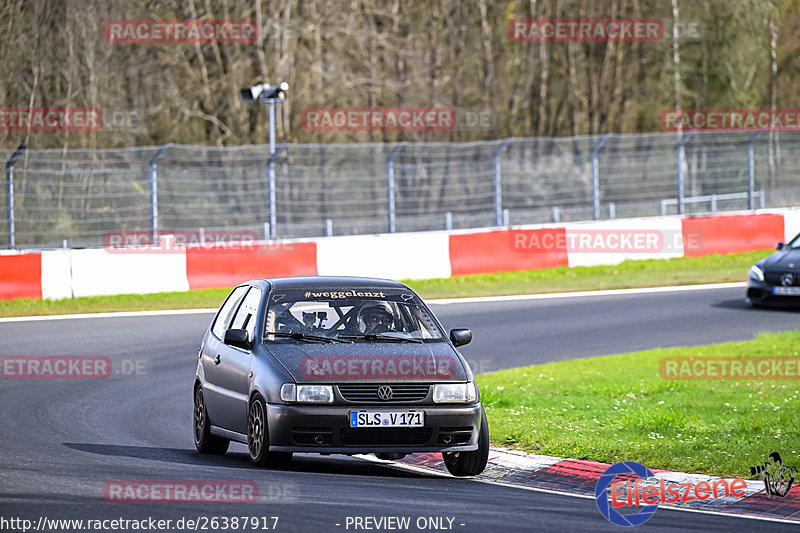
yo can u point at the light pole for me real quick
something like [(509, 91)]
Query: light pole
[(266, 93)]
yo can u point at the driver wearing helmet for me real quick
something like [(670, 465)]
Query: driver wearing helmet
[(377, 318)]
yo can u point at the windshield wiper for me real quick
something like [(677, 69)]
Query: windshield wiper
[(297, 335), (376, 337)]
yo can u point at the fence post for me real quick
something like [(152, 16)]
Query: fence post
[(596, 176), (271, 194), (390, 187), (154, 192), (751, 172), (10, 193), (273, 218), (498, 184), (679, 167)]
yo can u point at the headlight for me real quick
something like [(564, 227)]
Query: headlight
[(306, 393), (756, 273), (315, 393), (288, 392), (454, 393)]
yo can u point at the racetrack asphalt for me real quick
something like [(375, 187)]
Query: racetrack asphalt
[(509, 334), (63, 440)]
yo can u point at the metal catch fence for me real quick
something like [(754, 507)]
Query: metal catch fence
[(56, 198)]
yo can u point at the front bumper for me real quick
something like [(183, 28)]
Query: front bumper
[(326, 429), (760, 293)]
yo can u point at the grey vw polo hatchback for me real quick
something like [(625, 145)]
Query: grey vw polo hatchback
[(336, 365)]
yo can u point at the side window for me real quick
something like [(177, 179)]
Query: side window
[(246, 316), (224, 315)]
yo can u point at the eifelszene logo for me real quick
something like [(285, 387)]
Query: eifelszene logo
[(627, 467), (778, 477), (648, 492)]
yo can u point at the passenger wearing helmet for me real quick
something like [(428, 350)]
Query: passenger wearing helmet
[(377, 318)]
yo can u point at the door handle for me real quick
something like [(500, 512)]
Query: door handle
[(216, 360)]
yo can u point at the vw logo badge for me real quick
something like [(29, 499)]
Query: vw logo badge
[(385, 392), (787, 279)]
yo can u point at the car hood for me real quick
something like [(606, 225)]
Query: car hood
[(362, 362), (781, 260)]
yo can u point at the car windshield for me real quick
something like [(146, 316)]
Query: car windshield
[(794, 244), (354, 314)]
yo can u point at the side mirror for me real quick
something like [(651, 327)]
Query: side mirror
[(460, 336), (779, 246), (238, 338)]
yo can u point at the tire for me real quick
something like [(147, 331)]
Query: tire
[(258, 437), (470, 463), (204, 441)]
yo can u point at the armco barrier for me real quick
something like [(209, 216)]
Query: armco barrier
[(221, 267), (791, 223), (496, 251), (729, 234), (20, 276), (98, 272), (57, 274), (669, 227), (65, 273), (394, 255)]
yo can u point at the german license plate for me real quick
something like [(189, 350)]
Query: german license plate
[(786, 291), (386, 419)]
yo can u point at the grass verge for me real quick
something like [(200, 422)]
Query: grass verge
[(645, 273), (630, 274), (618, 408)]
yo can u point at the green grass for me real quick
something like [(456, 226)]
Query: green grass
[(123, 302), (618, 408), (646, 273), (630, 274)]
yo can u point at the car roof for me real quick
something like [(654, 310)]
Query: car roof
[(345, 282)]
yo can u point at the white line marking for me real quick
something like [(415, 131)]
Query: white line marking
[(582, 294), (442, 301), (117, 314)]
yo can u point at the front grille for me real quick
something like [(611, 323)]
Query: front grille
[(369, 393), (385, 436), (774, 278)]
